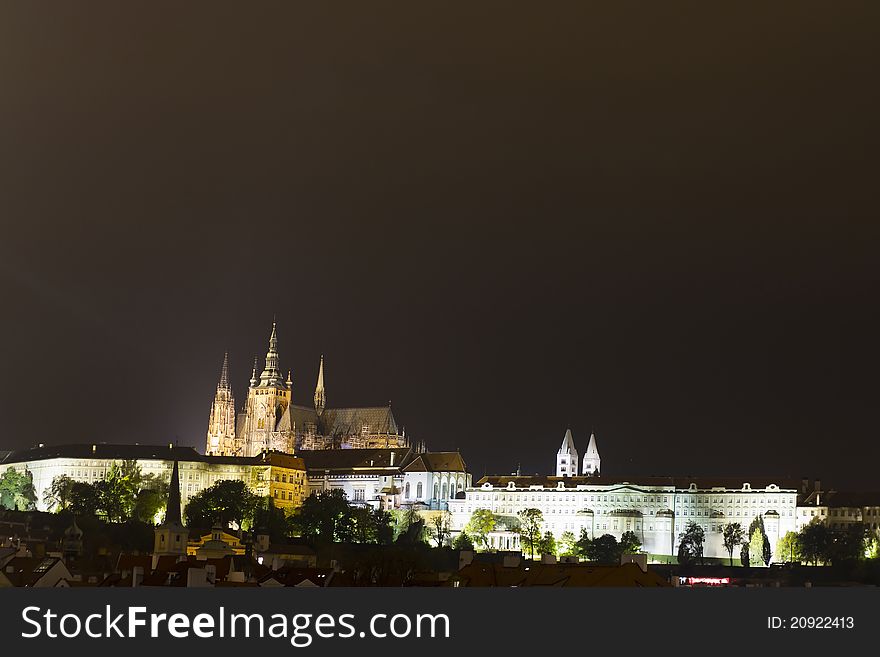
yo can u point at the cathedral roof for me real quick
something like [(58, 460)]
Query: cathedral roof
[(350, 421), (436, 462)]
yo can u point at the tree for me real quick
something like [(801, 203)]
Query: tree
[(849, 544), (439, 527), (759, 544), (788, 549), (271, 520), (119, 490), (605, 549), (462, 542), (567, 545), (584, 546), (326, 516), (228, 500), (530, 529), (85, 500), (58, 496), (547, 544), (481, 524), (744, 557), (691, 546), (733, 536), (17, 490), (409, 526), (630, 543), (814, 541), (368, 526)]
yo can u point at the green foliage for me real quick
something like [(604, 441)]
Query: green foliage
[(462, 542), (328, 517), (759, 544), (227, 501), (744, 557), (788, 548), (690, 549), (547, 544), (17, 490), (58, 496), (482, 522), (733, 536), (814, 541), (269, 519), (630, 543), (530, 530), (567, 545), (85, 500)]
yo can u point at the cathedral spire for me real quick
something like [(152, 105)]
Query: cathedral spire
[(224, 373), (271, 375), (320, 394)]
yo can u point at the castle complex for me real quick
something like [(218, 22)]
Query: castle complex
[(271, 421)]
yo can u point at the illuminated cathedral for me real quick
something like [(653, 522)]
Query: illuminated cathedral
[(269, 420)]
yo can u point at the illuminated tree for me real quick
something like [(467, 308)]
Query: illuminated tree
[(480, 525), (58, 496), (547, 543), (814, 541), (228, 500), (567, 545), (733, 536), (788, 549), (530, 529), (759, 544), (17, 490), (439, 527)]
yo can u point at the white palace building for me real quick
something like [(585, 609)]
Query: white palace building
[(657, 509)]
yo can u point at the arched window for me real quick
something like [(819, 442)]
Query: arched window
[(452, 490), (406, 489), (444, 491), (419, 490), (436, 491)]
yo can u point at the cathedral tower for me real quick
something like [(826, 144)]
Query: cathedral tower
[(567, 457), (592, 462), (320, 395), (267, 405), (221, 426)]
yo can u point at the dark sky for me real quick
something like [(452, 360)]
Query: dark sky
[(658, 221)]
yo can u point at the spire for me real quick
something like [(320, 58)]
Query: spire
[(567, 444), (271, 375), (320, 394), (224, 373), (254, 374), (592, 462), (172, 512)]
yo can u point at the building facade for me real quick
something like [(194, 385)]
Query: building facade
[(657, 509)]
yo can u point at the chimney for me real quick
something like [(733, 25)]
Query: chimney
[(392, 458), (818, 491), (805, 485)]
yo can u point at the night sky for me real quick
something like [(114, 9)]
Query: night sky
[(660, 222)]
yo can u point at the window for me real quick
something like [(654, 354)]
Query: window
[(419, 491), (406, 490)]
